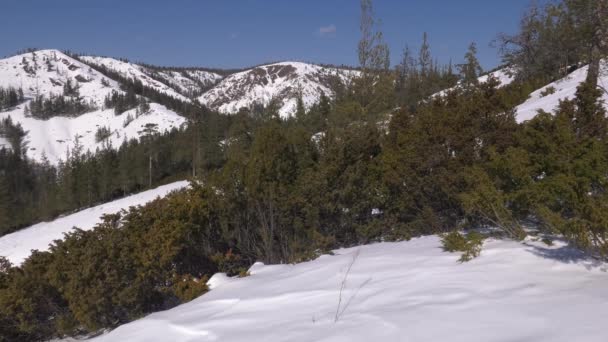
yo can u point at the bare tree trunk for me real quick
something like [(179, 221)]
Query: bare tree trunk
[(594, 65), (598, 46)]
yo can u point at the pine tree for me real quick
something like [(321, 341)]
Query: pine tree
[(471, 69), (425, 61), (373, 54)]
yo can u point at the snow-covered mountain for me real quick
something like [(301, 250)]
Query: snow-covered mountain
[(284, 82), (45, 72)]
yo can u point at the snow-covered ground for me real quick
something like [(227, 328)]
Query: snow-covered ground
[(405, 291), (18, 245), (564, 89)]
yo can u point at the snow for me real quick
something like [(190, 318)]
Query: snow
[(4, 143), (504, 76), (56, 136), (564, 89), (18, 245), (282, 81), (404, 291)]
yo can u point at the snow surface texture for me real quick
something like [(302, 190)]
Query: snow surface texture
[(281, 81), (18, 245), (564, 89), (406, 291), (44, 72)]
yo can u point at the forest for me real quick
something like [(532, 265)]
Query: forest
[(390, 160)]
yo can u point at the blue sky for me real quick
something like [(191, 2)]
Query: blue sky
[(232, 33)]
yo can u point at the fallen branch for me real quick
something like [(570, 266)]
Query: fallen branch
[(343, 285)]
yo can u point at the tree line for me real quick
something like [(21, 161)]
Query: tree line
[(10, 97)]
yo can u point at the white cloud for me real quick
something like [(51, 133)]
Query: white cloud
[(327, 30)]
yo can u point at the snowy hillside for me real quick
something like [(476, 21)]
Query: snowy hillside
[(188, 80), (548, 97), (54, 137), (406, 291), (504, 77), (45, 72), (282, 81), (172, 83), (17, 246)]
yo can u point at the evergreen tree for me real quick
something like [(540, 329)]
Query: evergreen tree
[(471, 69), (373, 55), (425, 61)]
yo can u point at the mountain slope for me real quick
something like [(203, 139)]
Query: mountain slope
[(548, 97), (45, 72), (54, 138), (170, 82), (405, 291), (17, 246), (283, 82)]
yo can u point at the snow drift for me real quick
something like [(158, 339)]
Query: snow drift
[(405, 291)]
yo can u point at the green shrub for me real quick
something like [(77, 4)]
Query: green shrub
[(230, 263), (186, 287), (547, 91), (470, 244)]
